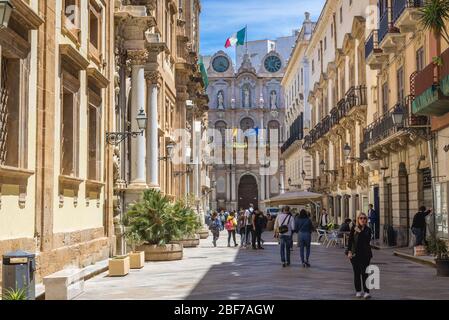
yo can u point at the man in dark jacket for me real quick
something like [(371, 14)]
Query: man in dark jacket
[(419, 225)]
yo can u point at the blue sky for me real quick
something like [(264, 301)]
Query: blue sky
[(266, 19)]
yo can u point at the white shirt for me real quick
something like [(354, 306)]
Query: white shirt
[(248, 216), (280, 222), (324, 220)]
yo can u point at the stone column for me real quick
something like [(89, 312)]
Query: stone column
[(138, 145), (262, 187), (152, 78)]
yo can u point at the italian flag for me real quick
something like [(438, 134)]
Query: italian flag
[(237, 39)]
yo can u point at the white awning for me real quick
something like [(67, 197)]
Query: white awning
[(294, 198)]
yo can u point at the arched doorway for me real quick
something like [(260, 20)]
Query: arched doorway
[(248, 192)]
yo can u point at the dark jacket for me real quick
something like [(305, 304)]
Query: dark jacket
[(303, 225), (359, 243), (345, 227), (419, 220)]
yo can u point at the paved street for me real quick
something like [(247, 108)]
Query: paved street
[(229, 274)]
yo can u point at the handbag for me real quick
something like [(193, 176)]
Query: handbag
[(283, 228)]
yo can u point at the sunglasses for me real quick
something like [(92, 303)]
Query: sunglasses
[(363, 218)]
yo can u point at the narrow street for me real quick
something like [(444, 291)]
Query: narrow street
[(222, 273)]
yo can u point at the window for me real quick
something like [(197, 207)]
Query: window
[(71, 13), (341, 14), (95, 31), (420, 63), (385, 97), (13, 112), (313, 66), (94, 126), (400, 84), (69, 124), (325, 43)]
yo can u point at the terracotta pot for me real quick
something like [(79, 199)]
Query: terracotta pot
[(189, 242), (168, 252), (137, 259), (119, 266)]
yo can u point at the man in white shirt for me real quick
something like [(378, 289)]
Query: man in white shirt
[(249, 224), (285, 221)]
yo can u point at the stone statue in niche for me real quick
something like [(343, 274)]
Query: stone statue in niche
[(246, 97), (273, 100), (220, 100)]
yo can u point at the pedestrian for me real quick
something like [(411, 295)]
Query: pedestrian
[(259, 223), (215, 228), (304, 228), (284, 226), (231, 225), (373, 221), (324, 221), (360, 254), (249, 224), (419, 225), (242, 228), (346, 226)]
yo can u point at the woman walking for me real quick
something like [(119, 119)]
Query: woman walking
[(231, 225), (241, 226), (304, 227), (359, 252), (215, 228), (284, 226), (258, 226)]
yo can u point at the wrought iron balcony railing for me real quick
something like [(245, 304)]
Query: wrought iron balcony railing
[(399, 6), (372, 43)]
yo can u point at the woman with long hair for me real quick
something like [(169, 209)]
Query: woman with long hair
[(360, 254), (304, 228)]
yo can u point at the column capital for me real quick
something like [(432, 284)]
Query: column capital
[(137, 57), (152, 77)]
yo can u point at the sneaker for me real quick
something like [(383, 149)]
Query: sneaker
[(284, 265), (254, 248), (366, 296), (359, 295), (304, 265), (288, 264), (236, 245), (307, 265)]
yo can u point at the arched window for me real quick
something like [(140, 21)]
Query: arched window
[(273, 126)]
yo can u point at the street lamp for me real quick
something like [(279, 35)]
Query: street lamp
[(398, 116), (303, 175), (293, 185), (115, 138), (347, 151), (323, 168), (5, 13), (170, 147)]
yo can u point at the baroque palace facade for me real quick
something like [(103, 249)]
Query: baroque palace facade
[(73, 71), (250, 99), (375, 135)]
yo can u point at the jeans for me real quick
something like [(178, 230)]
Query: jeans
[(285, 248), (305, 241), (231, 233), (419, 234), (248, 233), (242, 237), (216, 235), (257, 237), (359, 265)]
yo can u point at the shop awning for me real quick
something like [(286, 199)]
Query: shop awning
[(294, 198)]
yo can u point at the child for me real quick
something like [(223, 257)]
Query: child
[(215, 227)]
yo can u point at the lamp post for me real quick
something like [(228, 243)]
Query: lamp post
[(323, 168), (290, 183), (170, 147), (115, 138), (6, 9), (347, 151)]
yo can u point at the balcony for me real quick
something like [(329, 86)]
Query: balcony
[(406, 14), (432, 94), (296, 133), (385, 132), (354, 100), (390, 38), (374, 56)]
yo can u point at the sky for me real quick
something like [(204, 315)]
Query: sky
[(266, 19)]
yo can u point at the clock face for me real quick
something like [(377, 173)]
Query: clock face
[(220, 64), (273, 64)]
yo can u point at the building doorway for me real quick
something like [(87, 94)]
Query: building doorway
[(248, 192)]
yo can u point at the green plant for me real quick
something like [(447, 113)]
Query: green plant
[(188, 220), (438, 248), (133, 238), (15, 294), (152, 219), (433, 16)]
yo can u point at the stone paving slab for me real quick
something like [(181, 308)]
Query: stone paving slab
[(208, 273)]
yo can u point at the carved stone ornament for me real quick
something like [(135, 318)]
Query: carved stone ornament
[(138, 57), (152, 77)]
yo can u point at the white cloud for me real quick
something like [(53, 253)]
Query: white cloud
[(265, 19)]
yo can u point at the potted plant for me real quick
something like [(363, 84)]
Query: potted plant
[(136, 258), (153, 220), (189, 224), (15, 294), (438, 248), (119, 266)]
